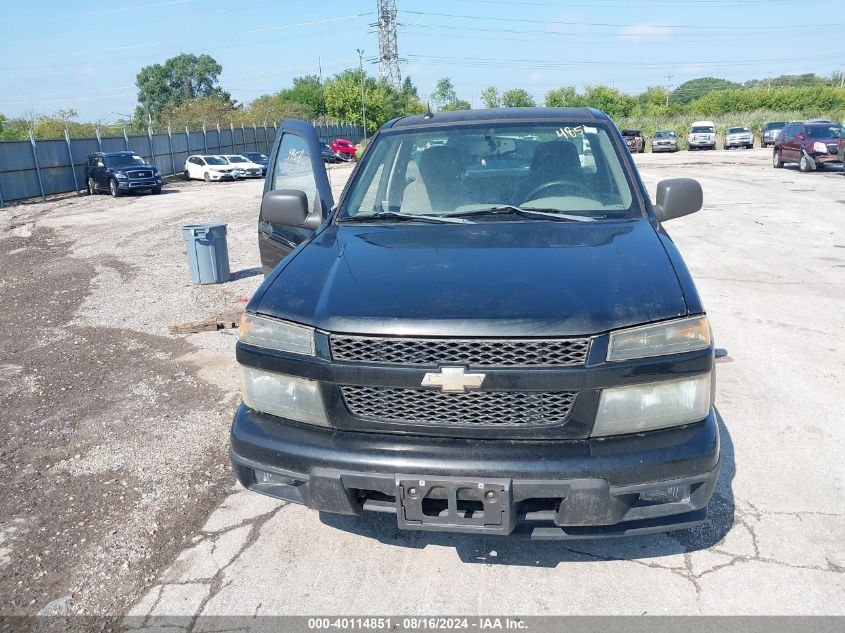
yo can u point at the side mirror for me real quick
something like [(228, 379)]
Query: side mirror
[(288, 207), (677, 197)]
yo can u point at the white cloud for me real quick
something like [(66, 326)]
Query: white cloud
[(644, 31)]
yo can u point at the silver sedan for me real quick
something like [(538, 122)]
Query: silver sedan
[(664, 141)]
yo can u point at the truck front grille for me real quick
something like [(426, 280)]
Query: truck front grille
[(478, 351), (392, 405)]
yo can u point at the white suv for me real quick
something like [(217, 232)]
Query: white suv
[(702, 135)]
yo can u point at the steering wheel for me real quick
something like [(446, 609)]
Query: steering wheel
[(569, 184)]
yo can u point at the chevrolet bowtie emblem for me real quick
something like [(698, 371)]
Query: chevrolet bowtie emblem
[(453, 380)]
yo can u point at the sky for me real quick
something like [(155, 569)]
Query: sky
[(85, 55)]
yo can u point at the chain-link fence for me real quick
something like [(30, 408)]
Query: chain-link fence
[(43, 167)]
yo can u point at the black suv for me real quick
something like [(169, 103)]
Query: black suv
[(120, 172), (490, 334)]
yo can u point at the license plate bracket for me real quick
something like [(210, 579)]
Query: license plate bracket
[(454, 504)]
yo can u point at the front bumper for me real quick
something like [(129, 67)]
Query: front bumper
[(213, 175), (559, 489), (699, 144), (825, 159), (664, 147), (139, 183), (738, 142)]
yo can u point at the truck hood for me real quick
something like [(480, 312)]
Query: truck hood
[(496, 278)]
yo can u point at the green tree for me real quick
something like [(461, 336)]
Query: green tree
[(691, 90), (404, 101), (54, 125), (343, 99), (203, 110), (490, 97), (609, 100), (517, 98), (179, 79), (272, 109), (444, 93), (565, 97), (457, 104), (307, 91), (805, 79), (652, 102), (15, 129)]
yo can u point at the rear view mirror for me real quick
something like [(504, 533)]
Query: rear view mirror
[(677, 197), (288, 207)]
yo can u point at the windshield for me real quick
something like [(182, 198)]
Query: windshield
[(825, 131), (255, 156), (703, 129), (236, 159), (216, 160), (774, 126), (124, 160), (738, 130), (664, 134), (571, 167)]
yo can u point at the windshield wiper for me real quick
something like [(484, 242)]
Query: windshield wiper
[(525, 212), (392, 215)]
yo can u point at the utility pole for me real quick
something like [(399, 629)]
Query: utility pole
[(668, 85), (388, 48), (363, 102)]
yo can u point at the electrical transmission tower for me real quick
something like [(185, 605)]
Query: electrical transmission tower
[(388, 49)]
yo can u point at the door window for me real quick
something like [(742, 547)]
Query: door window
[(293, 168)]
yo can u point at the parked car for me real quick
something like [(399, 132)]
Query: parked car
[(841, 151), (702, 135), (739, 137), (209, 168), (247, 168), (664, 141), (345, 150), (634, 140), (771, 129), (119, 173), (328, 153), (258, 157), (811, 145), (483, 343)]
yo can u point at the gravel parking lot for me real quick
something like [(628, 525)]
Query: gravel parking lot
[(116, 494)]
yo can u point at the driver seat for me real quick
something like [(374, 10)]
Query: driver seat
[(553, 161)]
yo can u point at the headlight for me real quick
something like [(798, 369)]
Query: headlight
[(282, 395), (120, 176), (659, 339), (275, 334), (654, 405), (821, 148)]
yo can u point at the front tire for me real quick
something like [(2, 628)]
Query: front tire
[(187, 175), (777, 163), (805, 164), (156, 190), (206, 177), (92, 187), (114, 190)]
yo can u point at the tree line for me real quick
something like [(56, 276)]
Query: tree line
[(185, 91)]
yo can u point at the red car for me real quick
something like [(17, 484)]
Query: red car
[(812, 145), (344, 149)]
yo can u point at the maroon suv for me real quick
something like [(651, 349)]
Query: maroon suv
[(811, 145)]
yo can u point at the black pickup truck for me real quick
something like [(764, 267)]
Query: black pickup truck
[(489, 332), (119, 173)]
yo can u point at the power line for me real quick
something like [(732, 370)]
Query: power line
[(698, 27)]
